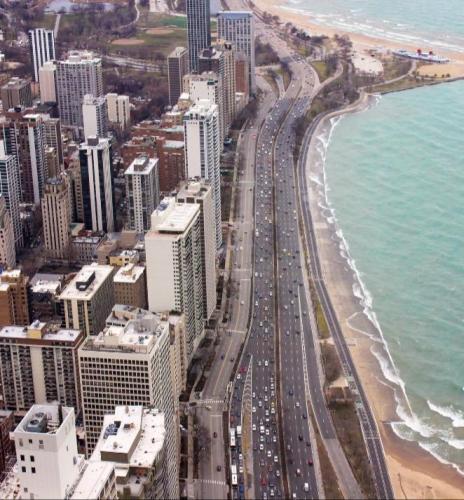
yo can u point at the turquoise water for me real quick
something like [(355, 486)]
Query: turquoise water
[(426, 23), (395, 175)]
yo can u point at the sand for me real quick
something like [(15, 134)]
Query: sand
[(413, 472), (159, 31), (127, 41), (362, 43)]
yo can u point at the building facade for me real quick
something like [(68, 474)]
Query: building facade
[(76, 76), (118, 110), (88, 299), (238, 28), (129, 365), (47, 82), (10, 191), (39, 364), (41, 47), (14, 300), (95, 116), (16, 93), (202, 150), (56, 217), (7, 240), (198, 30), (173, 249), (142, 191), (97, 184), (178, 65), (130, 286)]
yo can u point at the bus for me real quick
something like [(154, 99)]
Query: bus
[(233, 470), (232, 437), (234, 480)]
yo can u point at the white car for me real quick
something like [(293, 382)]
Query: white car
[(254, 427), (261, 447), (269, 454), (275, 459)]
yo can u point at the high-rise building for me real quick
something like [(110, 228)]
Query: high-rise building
[(242, 74), (208, 86), (97, 184), (88, 299), (129, 365), (48, 463), (134, 439), (171, 162), (10, 189), (130, 286), (78, 75), (202, 150), (142, 191), (198, 30), (53, 138), (199, 191), (95, 116), (221, 60), (56, 217), (118, 110), (177, 68), (238, 28), (7, 240), (41, 47), (14, 303), (7, 424), (16, 93), (174, 249), (47, 82), (24, 136), (44, 292), (39, 364)]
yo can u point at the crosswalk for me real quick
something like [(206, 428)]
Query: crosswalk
[(212, 481), (210, 402)]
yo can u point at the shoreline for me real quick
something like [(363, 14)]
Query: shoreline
[(414, 473), (362, 42)]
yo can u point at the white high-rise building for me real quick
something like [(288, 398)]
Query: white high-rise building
[(42, 48), (78, 75), (97, 184), (238, 28), (199, 191), (95, 116), (173, 249), (118, 109), (7, 240), (202, 150), (129, 365), (46, 450), (10, 189), (142, 191), (208, 86), (47, 82)]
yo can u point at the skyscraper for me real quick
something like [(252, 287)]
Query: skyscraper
[(238, 28), (7, 241), (201, 125), (129, 365), (177, 69), (16, 92), (198, 30), (10, 190), (47, 82), (97, 184), (142, 191), (95, 116), (199, 191), (76, 76), (173, 249), (42, 48), (56, 217), (118, 110)]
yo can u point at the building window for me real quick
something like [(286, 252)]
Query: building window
[(23, 469), (32, 458), (33, 470), (30, 441), (22, 458)]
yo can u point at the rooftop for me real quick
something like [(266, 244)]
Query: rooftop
[(193, 187), (130, 273), (93, 479), (86, 282), (142, 165), (178, 51), (235, 13), (38, 330), (81, 56), (174, 144), (44, 419), (137, 335), (133, 436), (172, 217)]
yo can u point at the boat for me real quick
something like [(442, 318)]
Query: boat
[(421, 56)]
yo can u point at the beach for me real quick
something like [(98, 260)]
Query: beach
[(362, 43), (414, 473)]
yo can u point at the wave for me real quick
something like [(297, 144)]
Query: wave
[(431, 448), (456, 416)]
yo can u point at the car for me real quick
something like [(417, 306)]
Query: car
[(310, 461), (304, 416), (275, 459), (269, 454), (297, 404), (261, 447), (222, 356), (266, 363), (254, 409), (215, 434), (254, 427), (232, 360), (290, 392), (274, 439), (298, 472), (219, 468), (306, 487), (300, 437)]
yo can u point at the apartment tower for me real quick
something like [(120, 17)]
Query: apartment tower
[(178, 65), (198, 30), (42, 48)]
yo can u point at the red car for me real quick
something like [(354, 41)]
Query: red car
[(310, 462), (263, 481)]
